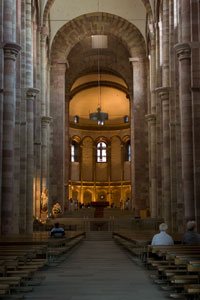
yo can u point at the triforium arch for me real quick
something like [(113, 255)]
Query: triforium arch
[(64, 42)]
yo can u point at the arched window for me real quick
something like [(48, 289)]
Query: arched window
[(75, 151), (127, 151), (76, 119), (101, 152)]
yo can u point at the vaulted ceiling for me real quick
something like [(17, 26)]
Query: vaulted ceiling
[(72, 23)]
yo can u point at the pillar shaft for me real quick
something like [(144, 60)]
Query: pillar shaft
[(45, 138), (31, 94), (139, 156), (165, 44), (29, 55), (151, 118), (67, 155), (57, 110), (10, 53), (164, 97), (43, 71), (183, 52), (45, 160), (8, 20)]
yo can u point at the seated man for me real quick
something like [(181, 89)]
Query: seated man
[(162, 238), (191, 237), (57, 232)]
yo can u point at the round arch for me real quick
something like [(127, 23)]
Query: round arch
[(49, 4), (74, 31)]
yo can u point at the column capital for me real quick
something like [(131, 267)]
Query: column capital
[(134, 60), (11, 50), (32, 92), (163, 92), (183, 51), (59, 65), (46, 119), (151, 118)]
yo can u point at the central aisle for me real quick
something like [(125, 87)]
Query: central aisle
[(97, 270)]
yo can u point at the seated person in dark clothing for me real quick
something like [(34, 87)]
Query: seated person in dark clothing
[(57, 232), (191, 237)]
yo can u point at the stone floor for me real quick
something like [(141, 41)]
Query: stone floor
[(97, 270)]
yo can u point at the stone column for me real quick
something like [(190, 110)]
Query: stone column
[(11, 51), (151, 118), (109, 170), (139, 155), (37, 179), (94, 170), (195, 64), (158, 82), (184, 54), (30, 94), (43, 71), (81, 173), (67, 154), (164, 97), (57, 111), (45, 155), (8, 11), (165, 44), (29, 46), (1, 140), (23, 124)]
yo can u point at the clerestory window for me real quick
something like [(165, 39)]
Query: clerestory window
[(101, 152), (74, 152), (128, 151)]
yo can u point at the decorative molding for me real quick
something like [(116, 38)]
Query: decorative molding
[(102, 184), (32, 92), (134, 60), (163, 92), (105, 127), (46, 119), (183, 51), (151, 118), (11, 50)]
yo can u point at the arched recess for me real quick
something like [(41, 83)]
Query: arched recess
[(65, 40)]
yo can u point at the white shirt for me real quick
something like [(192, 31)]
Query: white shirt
[(162, 238)]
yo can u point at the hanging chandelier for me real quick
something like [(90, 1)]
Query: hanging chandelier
[(99, 116)]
